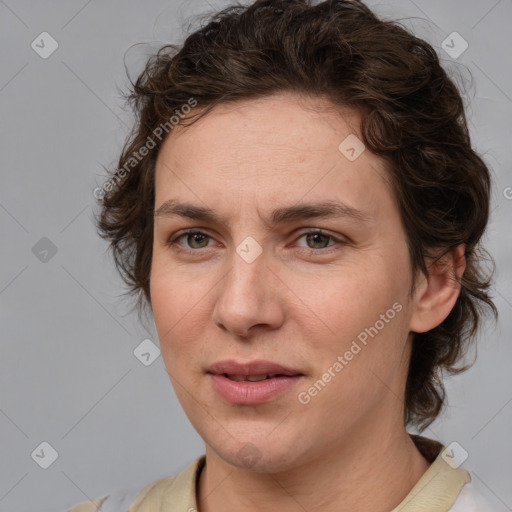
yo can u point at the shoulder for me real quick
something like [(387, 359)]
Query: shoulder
[(180, 487), (121, 499), (471, 499), (88, 506)]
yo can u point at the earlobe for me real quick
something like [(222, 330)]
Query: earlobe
[(436, 294)]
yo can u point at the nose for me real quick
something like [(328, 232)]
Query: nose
[(249, 298)]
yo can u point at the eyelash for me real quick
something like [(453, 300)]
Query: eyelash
[(173, 242)]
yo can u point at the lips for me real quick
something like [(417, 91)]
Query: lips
[(251, 383), (251, 369)]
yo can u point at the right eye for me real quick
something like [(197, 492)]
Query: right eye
[(192, 237)]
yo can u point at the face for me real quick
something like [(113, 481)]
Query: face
[(269, 282)]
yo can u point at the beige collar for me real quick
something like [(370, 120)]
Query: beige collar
[(436, 491), (438, 488)]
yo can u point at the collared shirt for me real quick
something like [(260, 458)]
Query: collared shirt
[(444, 487)]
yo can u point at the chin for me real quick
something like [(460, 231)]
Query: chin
[(258, 453)]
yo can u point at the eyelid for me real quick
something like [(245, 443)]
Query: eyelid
[(202, 231), (191, 231), (319, 231)]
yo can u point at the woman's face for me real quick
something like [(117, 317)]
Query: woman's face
[(256, 292)]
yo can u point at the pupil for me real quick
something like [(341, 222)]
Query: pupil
[(314, 235), (195, 238)]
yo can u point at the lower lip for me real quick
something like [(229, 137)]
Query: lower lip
[(251, 393)]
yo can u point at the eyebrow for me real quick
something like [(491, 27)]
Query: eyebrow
[(328, 209)]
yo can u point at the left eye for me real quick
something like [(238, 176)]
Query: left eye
[(315, 237)]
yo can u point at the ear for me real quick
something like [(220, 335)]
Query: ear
[(436, 294)]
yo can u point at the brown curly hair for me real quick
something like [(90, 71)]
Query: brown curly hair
[(412, 116)]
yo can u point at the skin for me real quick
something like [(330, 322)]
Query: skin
[(300, 303)]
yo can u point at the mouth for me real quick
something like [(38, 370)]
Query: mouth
[(252, 378), (252, 370), (251, 383)]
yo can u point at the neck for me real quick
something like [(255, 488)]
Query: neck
[(371, 473)]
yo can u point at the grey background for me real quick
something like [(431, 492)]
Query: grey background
[(69, 375)]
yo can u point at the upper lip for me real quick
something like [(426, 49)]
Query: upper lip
[(259, 367)]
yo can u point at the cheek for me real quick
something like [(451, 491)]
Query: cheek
[(360, 315), (359, 369), (181, 310), (168, 300), (342, 301)]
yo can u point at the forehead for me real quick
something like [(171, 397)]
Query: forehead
[(277, 149), (287, 123)]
